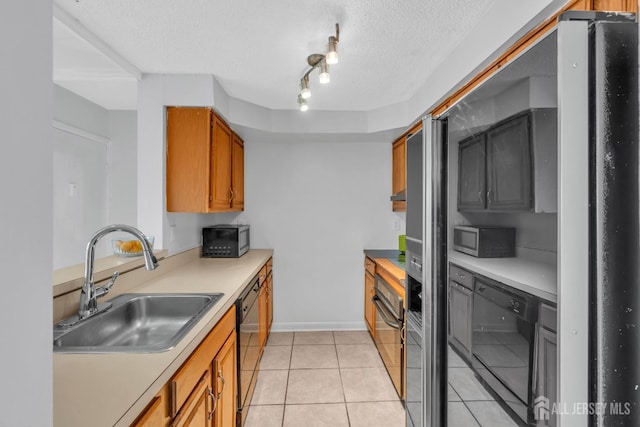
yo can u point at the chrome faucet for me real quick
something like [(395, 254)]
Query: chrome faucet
[(90, 294)]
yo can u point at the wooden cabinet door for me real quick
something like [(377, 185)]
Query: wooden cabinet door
[(225, 374), (547, 368), (237, 174), (269, 303), (187, 159), (221, 146), (262, 316), (399, 172), (509, 166), (197, 411), (471, 174), (369, 309), (460, 306), (153, 415)]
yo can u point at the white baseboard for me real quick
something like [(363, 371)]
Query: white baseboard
[(318, 326)]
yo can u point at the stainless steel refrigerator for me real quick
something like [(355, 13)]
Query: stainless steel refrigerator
[(598, 233)]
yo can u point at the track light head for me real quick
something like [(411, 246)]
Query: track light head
[(332, 51), (324, 73), (302, 103), (305, 92)]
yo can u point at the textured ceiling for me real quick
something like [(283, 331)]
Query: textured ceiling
[(257, 49)]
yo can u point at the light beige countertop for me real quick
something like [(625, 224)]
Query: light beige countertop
[(112, 389), (531, 271)]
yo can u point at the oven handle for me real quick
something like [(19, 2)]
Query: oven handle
[(383, 312)]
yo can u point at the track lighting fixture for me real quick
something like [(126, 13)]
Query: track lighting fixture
[(332, 51), (305, 93), (324, 72), (317, 60), (302, 103)]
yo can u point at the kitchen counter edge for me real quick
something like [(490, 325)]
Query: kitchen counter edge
[(113, 389)]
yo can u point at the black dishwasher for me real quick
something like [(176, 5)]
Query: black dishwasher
[(248, 349)]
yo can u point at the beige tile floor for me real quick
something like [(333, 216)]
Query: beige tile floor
[(469, 403), (316, 379), (335, 379)]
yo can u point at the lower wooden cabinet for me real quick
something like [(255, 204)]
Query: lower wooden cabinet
[(153, 415), (197, 410), (225, 383), (269, 303), (369, 308), (203, 392), (265, 304), (262, 317)]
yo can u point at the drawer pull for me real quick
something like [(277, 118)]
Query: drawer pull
[(214, 401), (221, 378)]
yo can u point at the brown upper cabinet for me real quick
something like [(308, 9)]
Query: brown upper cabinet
[(399, 177), (399, 169), (205, 162)]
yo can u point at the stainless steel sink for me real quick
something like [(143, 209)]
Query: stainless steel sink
[(136, 323)]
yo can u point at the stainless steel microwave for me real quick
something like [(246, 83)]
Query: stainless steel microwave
[(485, 241), (225, 241)]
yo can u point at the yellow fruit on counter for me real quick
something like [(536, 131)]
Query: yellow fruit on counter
[(131, 246)]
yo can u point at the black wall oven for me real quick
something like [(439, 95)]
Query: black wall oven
[(504, 321)]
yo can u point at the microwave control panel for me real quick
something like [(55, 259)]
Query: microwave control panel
[(219, 250)]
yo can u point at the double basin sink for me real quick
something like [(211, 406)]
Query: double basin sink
[(135, 323)]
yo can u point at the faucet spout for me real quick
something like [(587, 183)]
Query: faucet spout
[(89, 295)]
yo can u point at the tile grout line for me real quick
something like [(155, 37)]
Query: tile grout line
[(344, 395), (286, 391)]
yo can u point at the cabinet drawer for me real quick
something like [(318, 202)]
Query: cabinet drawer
[(370, 266), (548, 317), (461, 276), (188, 376)]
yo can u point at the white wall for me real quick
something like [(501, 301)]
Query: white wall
[(122, 167), (318, 205), (26, 214), (81, 163), (97, 154)]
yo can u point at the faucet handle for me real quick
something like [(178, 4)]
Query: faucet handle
[(103, 290)]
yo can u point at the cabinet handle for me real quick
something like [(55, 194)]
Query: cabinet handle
[(462, 276), (489, 196), (215, 403), (230, 195), (480, 194), (221, 378)]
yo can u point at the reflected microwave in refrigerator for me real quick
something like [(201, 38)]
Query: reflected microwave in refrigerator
[(485, 241)]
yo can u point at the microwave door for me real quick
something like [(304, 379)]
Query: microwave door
[(466, 241)]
